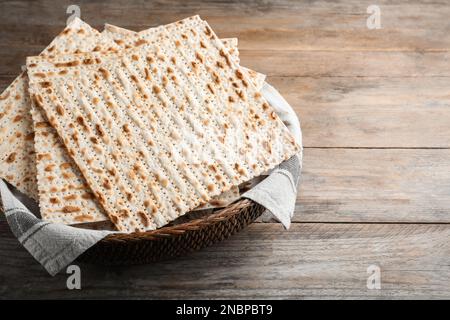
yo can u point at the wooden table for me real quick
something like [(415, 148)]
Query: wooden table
[(375, 113)]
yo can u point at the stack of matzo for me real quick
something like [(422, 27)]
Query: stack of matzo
[(137, 128)]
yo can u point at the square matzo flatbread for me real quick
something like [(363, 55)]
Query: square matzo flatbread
[(126, 39), (161, 128), (17, 158), (64, 195)]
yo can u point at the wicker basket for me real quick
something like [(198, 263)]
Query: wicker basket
[(173, 241)]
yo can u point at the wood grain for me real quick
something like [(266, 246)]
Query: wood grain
[(374, 106), (310, 260), (370, 112), (375, 185), (348, 63), (275, 25)]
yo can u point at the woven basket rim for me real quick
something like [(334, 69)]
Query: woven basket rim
[(225, 213)]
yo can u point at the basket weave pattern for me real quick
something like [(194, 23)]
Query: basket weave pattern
[(173, 241)]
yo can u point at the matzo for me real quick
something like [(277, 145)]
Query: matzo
[(17, 158), (159, 129), (257, 78), (64, 195), (126, 39)]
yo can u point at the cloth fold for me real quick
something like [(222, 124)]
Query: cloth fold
[(55, 246)]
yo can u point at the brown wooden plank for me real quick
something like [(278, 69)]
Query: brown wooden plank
[(264, 261), (375, 185), (268, 27), (348, 63), (275, 25), (405, 112)]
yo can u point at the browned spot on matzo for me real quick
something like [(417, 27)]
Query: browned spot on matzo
[(5, 96), (140, 42), (67, 64), (49, 168), (17, 118), (11, 158), (60, 110), (70, 209), (84, 218), (70, 197)]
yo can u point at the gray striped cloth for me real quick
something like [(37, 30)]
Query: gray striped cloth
[(55, 246)]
